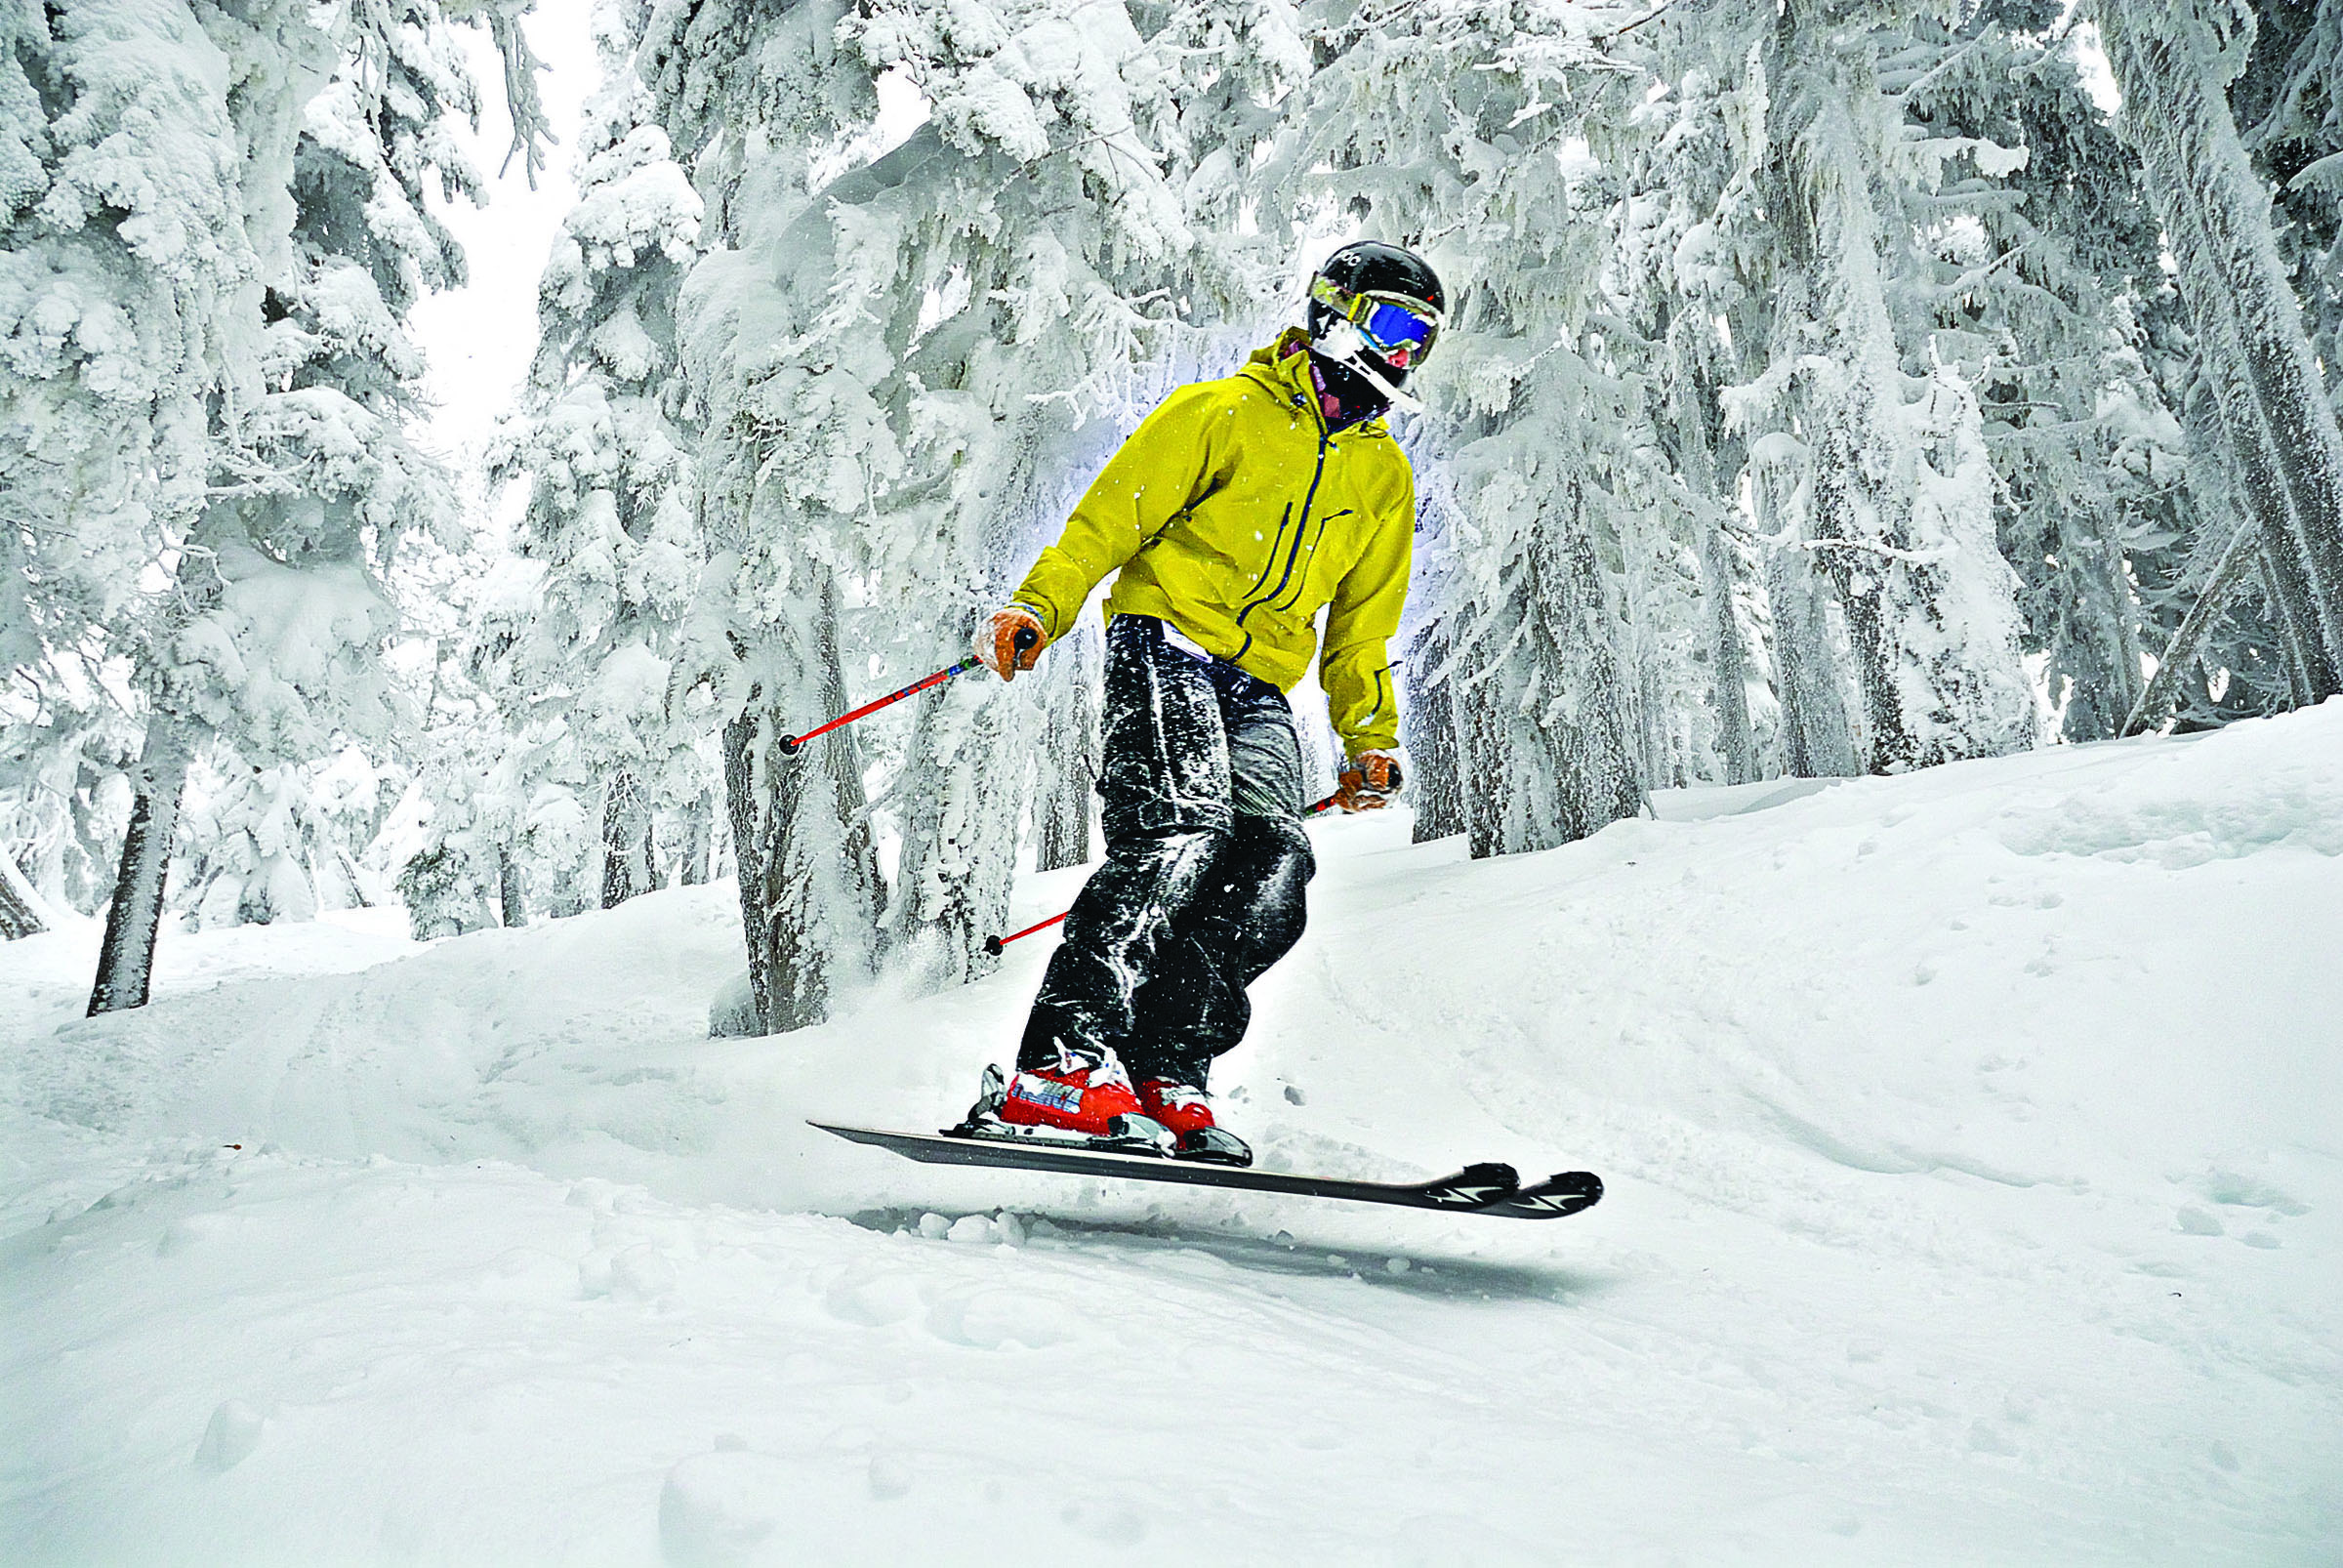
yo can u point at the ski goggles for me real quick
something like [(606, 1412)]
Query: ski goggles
[(1397, 328)]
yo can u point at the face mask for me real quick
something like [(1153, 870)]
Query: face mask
[(1342, 343)]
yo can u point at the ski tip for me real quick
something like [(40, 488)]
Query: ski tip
[(852, 1134), (1558, 1197)]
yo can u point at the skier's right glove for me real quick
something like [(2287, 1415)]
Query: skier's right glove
[(996, 641), (1368, 783)]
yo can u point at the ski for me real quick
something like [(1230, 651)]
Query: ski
[(1478, 1189)]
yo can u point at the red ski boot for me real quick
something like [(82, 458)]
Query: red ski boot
[(1084, 1100), (1183, 1108)]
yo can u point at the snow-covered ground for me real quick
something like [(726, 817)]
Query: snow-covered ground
[(1975, 1196)]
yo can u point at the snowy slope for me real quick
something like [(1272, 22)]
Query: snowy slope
[(1975, 1197)]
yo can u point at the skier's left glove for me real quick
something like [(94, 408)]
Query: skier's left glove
[(998, 646), (1370, 783)]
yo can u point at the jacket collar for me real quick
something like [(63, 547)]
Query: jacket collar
[(1284, 367)]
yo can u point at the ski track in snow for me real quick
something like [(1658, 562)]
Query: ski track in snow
[(1973, 1192)]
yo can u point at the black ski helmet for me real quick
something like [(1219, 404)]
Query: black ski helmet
[(1368, 267)]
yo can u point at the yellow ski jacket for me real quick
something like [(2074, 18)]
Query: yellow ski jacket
[(1235, 514)]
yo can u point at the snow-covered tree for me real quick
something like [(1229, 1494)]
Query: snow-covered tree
[(276, 844), (214, 223), (2041, 285), (897, 352), (1459, 129), (2290, 109), (578, 653), (1877, 465), (2172, 61), (144, 155)]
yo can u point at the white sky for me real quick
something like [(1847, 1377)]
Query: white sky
[(478, 339)]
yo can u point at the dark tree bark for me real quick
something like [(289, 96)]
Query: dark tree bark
[(626, 840), (1067, 766), (19, 916), (1695, 401), (810, 892), (1435, 783), (513, 902), (126, 958)]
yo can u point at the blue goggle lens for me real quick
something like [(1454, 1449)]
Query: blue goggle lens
[(1393, 326)]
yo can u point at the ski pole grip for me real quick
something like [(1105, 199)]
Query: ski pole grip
[(992, 946)]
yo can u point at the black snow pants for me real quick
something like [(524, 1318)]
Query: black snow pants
[(1205, 863)]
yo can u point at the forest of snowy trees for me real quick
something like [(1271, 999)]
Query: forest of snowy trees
[(1829, 389)]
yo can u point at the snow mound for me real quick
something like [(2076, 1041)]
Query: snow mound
[(725, 1509), (2260, 789)]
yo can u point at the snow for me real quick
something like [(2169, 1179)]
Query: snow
[(1974, 1195)]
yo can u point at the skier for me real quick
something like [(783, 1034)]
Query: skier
[(1235, 512)]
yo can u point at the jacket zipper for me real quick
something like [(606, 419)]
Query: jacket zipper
[(1305, 576), (1270, 564), (1301, 531)]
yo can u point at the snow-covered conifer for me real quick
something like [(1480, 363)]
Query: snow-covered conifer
[(2290, 108), (1880, 469), (895, 349), (579, 657), (2172, 61), (213, 227), (141, 161), (2042, 284), (1452, 127)]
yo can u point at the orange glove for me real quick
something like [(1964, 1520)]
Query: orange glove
[(1368, 783), (996, 641)]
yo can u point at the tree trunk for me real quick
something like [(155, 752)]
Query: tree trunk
[(126, 958), (2234, 567), (512, 903), (810, 892), (1067, 764), (698, 827), (1856, 577), (626, 840), (19, 905), (2255, 463), (1817, 735), (2216, 216), (2294, 650), (1549, 735), (1435, 783), (744, 749), (1696, 459), (960, 813)]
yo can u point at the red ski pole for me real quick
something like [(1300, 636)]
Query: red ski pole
[(791, 743), (994, 944)]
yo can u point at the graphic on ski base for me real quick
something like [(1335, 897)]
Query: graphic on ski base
[(1478, 1189)]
